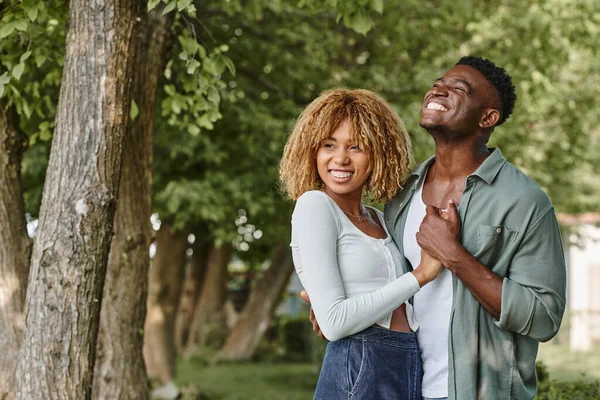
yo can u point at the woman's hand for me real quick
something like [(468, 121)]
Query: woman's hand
[(429, 267)]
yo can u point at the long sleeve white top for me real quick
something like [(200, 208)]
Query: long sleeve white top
[(353, 279)]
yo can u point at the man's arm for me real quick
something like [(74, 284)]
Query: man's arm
[(531, 299), (313, 319)]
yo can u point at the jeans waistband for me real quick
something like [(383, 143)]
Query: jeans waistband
[(387, 336)]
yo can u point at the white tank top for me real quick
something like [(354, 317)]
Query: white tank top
[(432, 306)]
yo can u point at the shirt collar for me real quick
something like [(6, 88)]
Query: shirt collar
[(486, 171)]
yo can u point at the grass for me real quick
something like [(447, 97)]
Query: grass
[(565, 365), (296, 381), (251, 381)]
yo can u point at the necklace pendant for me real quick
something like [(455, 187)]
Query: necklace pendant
[(360, 218)]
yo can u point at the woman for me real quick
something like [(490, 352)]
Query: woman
[(345, 144)]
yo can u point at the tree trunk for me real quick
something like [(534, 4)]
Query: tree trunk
[(70, 253), (209, 324), (165, 282), (254, 321), (15, 248), (120, 372), (191, 290)]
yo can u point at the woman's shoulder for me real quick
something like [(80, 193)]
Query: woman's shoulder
[(316, 204), (312, 197)]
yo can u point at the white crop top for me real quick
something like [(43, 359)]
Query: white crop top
[(352, 279)]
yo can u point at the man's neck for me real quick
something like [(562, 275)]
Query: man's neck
[(457, 160)]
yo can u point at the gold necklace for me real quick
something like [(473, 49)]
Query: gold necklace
[(361, 217)]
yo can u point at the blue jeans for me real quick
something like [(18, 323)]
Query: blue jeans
[(375, 364)]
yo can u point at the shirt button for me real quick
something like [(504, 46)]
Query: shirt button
[(499, 230)]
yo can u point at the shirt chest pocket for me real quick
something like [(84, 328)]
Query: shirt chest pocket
[(494, 242)]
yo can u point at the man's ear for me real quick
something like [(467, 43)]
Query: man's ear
[(490, 118)]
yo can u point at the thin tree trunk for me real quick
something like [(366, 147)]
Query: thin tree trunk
[(70, 253), (120, 372), (254, 320), (209, 324), (166, 279), (191, 290), (15, 248)]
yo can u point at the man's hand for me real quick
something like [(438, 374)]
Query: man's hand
[(439, 234), (312, 318)]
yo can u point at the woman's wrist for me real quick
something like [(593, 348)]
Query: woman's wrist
[(422, 278)]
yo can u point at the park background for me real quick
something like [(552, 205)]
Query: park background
[(163, 122)]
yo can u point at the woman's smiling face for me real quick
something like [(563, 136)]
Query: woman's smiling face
[(342, 165)]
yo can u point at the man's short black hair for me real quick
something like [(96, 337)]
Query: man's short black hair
[(499, 78)]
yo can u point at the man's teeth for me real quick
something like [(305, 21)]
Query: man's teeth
[(341, 174), (436, 106)]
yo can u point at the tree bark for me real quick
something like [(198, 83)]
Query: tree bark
[(15, 247), (165, 282), (120, 372), (254, 320), (209, 324), (70, 253), (190, 293)]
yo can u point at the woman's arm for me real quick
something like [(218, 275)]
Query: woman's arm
[(315, 233)]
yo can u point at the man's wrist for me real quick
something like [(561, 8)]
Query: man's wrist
[(456, 257)]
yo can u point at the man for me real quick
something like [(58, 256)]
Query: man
[(503, 290)]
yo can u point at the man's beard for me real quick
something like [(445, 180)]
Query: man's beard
[(444, 134)]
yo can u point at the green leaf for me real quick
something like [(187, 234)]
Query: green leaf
[(32, 13), (21, 25), (134, 111), (152, 4), (183, 55), (7, 29), (377, 5), (25, 56), (230, 65), (40, 59), (45, 135), (31, 8), (193, 64), (4, 78), (26, 110), (183, 4), (213, 95), (1, 89), (194, 130), (220, 65), (17, 71), (170, 7), (33, 138), (359, 22)]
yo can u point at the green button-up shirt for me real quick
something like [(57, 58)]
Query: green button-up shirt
[(509, 225)]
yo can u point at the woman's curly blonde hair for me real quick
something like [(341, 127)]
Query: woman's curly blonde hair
[(375, 127)]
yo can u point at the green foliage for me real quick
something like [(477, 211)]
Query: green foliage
[(549, 48), (31, 59), (550, 389), (294, 337), (240, 73), (171, 5), (356, 14)]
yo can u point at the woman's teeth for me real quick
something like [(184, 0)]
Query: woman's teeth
[(341, 174)]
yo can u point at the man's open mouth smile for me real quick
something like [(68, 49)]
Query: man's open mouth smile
[(435, 106)]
